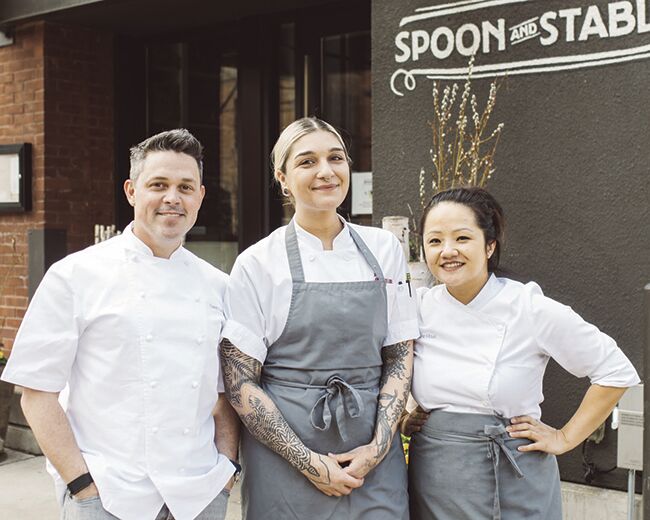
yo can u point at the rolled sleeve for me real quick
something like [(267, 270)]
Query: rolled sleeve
[(579, 347), (245, 340), (402, 307), (47, 340), (245, 322)]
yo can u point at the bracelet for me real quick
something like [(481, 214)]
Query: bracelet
[(80, 483)]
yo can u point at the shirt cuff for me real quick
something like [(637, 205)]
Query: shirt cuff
[(31, 380), (624, 378), (245, 340), (402, 331)]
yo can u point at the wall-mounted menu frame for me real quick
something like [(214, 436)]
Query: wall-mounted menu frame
[(15, 177)]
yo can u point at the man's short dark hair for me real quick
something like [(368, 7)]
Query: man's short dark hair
[(178, 140)]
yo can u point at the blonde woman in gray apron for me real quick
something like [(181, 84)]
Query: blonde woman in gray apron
[(318, 352), (480, 450)]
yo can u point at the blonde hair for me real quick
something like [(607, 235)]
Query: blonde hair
[(295, 131)]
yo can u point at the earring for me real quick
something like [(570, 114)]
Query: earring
[(285, 191)]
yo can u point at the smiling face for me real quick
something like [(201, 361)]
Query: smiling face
[(455, 249), (317, 173), (166, 197)]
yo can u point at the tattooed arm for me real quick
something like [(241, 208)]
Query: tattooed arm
[(393, 394), (265, 422)]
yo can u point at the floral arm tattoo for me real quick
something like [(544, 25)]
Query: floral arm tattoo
[(394, 389), (261, 416)]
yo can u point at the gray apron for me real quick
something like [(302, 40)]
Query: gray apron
[(323, 374), (466, 466)]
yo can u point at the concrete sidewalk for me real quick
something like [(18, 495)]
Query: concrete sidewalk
[(27, 492)]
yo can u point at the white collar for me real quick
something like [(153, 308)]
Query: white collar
[(491, 288), (137, 245), (341, 241)]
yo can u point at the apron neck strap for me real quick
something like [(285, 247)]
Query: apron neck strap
[(293, 253), (367, 254)]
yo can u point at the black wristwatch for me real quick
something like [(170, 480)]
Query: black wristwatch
[(237, 473), (80, 483)]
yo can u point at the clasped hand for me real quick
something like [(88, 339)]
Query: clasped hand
[(340, 473), (329, 477)]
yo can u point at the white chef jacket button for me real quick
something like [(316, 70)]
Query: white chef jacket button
[(197, 299), (195, 384), (312, 258), (148, 337), (199, 340), (154, 429), (153, 384), (186, 262), (186, 431), (142, 294)]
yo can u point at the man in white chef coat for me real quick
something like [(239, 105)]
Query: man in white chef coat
[(127, 332)]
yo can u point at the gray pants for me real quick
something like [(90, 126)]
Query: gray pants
[(91, 509)]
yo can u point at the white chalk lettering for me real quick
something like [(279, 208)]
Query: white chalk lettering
[(475, 33), (402, 46), (498, 32), (571, 24), (621, 18), (438, 52), (570, 15), (592, 25), (643, 26), (419, 43), (546, 25), (524, 32)]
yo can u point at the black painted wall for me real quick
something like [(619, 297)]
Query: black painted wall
[(572, 173)]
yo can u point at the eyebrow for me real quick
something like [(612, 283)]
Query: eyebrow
[(453, 231), (166, 179), (309, 152)]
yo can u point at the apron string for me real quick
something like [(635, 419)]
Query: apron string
[(494, 434), (338, 394), (345, 399)]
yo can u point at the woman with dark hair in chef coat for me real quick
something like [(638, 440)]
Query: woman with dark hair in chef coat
[(318, 353), (479, 448)]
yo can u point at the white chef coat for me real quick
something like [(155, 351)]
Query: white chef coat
[(135, 338), (489, 356), (260, 287)]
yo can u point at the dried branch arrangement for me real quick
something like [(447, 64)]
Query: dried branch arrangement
[(15, 258), (463, 150)]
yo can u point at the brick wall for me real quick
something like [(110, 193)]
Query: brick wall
[(22, 119), (78, 132), (56, 92)]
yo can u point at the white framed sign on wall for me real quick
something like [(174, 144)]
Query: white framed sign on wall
[(15, 177)]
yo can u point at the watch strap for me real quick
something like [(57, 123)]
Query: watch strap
[(237, 469), (80, 483)]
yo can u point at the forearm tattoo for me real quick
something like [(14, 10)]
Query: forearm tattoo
[(393, 394), (241, 374)]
